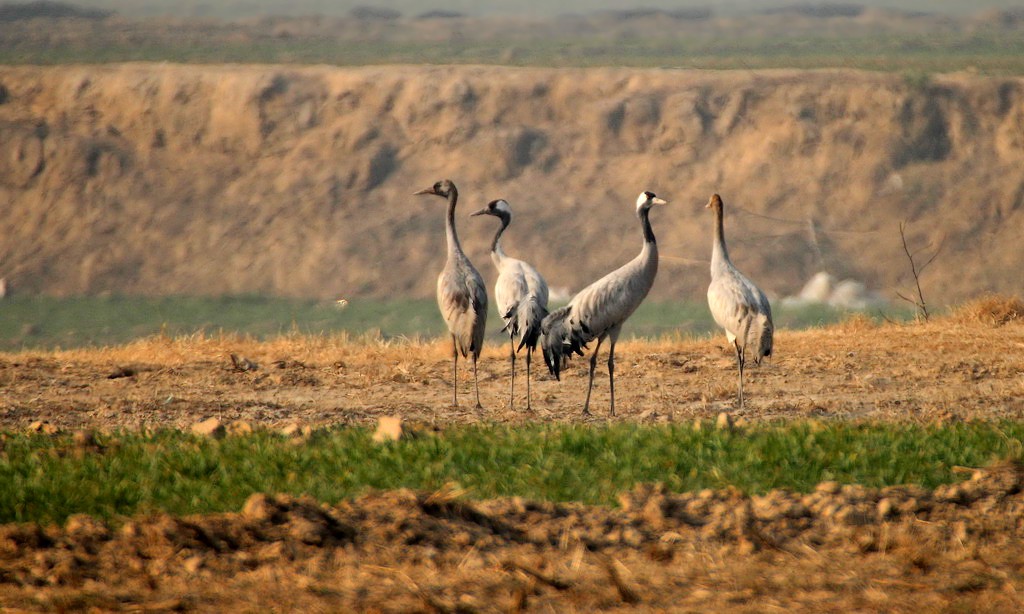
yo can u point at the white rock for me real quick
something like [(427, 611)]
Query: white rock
[(818, 288), (849, 294)]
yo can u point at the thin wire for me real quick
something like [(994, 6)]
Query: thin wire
[(799, 222), (691, 261)]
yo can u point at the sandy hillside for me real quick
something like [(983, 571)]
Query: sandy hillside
[(296, 180)]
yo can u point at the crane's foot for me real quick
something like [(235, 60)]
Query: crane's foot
[(586, 412)]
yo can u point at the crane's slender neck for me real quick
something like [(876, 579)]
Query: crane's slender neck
[(450, 234), (496, 243), (719, 253), (645, 222), (649, 253)]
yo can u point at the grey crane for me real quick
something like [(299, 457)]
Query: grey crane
[(461, 294), (521, 295), (737, 305), (600, 309)]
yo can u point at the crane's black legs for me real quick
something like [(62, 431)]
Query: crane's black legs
[(741, 354), (476, 384), (741, 360), (512, 388), (529, 354), (590, 386), (611, 375), (455, 372)]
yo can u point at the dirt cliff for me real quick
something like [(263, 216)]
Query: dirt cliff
[(297, 181)]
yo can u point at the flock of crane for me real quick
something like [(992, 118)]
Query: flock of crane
[(596, 312)]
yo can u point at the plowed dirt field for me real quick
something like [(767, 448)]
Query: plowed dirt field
[(840, 548)]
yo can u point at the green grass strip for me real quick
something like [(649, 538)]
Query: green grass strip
[(46, 479), (988, 51)]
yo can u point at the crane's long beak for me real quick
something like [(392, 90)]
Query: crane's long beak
[(480, 212), (658, 201), (424, 191)]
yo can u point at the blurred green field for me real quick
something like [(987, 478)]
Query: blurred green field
[(41, 322), (41, 480), (989, 52), (244, 8)]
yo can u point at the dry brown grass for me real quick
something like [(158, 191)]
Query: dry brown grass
[(953, 367), (993, 309)]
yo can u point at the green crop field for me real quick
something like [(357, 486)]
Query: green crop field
[(45, 323), (45, 478), (243, 8), (989, 53)]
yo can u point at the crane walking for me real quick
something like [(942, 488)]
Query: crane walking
[(737, 305), (521, 295), (599, 310), (461, 294)]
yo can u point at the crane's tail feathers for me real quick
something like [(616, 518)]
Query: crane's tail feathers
[(529, 315), (562, 339), (511, 321), (762, 334), (554, 329)]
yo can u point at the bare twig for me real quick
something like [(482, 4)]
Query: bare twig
[(879, 313), (938, 249), (433, 603), (551, 581), (919, 302), (241, 363), (626, 593), (521, 597), (914, 303)]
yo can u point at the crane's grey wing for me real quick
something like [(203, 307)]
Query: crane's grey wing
[(522, 298), (529, 313), (536, 284), (594, 311), (727, 306), (757, 296), (536, 309), (610, 300), (462, 297), (743, 310), (762, 331), (479, 310), (509, 290)]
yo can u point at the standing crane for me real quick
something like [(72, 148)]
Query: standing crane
[(521, 295), (600, 309), (737, 305), (461, 294)]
